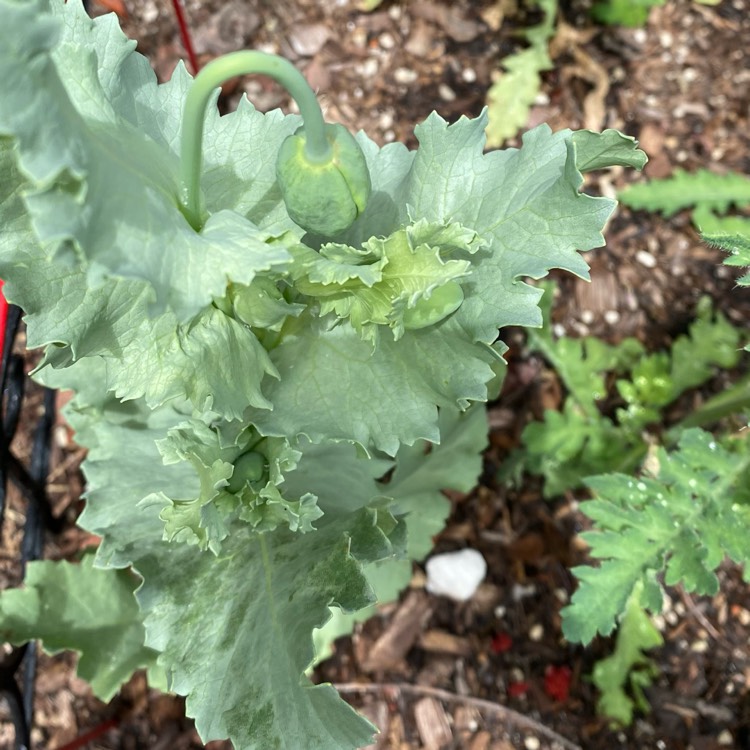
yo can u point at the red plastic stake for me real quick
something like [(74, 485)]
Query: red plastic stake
[(187, 41), (3, 317)]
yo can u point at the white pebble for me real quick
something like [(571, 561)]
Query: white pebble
[(446, 92), (456, 575), (386, 41), (645, 259), (369, 68), (519, 591), (531, 743), (536, 633), (611, 317), (405, 75), (725, 738), (149, 13)]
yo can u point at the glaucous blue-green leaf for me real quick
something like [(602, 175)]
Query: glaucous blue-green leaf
[(124, 472), (422, 472), (103, 191), (256, 604), (524, 203), (606, 149), (75, 607), (148, 355), (333, 385), (253, 609)]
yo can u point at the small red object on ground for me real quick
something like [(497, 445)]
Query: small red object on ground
[(501, 643), (557, 682), (517, 689)]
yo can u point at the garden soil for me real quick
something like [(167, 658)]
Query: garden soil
[(493, 673)]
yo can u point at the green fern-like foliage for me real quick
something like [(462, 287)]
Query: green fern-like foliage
[(510, 97), (738, 247), (580, 441), (622, 676), (708, 194), (676, 526), (631, 13), (685, 190)]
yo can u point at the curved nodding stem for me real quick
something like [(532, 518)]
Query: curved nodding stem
[(212, 76)]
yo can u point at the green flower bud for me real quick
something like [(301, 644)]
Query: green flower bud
[(443, 301), (323, 195), (248, 468)]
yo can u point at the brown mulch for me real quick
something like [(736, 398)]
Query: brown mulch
[(479, 675)]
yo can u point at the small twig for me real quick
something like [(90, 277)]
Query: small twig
[(73, 458), (702, 619), (508, 714)]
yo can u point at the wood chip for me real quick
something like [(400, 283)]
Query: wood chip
[(402, 633), (481, 741), (432, 724), (379, 715), (450, 18), (440, 642)]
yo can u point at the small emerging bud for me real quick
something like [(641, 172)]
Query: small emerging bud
[(324, 196), (248, 468), (443, 301)]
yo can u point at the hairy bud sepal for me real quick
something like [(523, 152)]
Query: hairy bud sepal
[(323, 194)]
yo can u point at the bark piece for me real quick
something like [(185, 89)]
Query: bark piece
[(402, 633), (432, 724)]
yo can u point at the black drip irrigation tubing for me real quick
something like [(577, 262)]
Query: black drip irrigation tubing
[(18, 666)]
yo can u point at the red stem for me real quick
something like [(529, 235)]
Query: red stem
[(92, 734), (187, 41)]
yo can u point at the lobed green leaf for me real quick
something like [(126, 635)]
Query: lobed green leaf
[(76, 607), (685, 189), (682, 523)]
